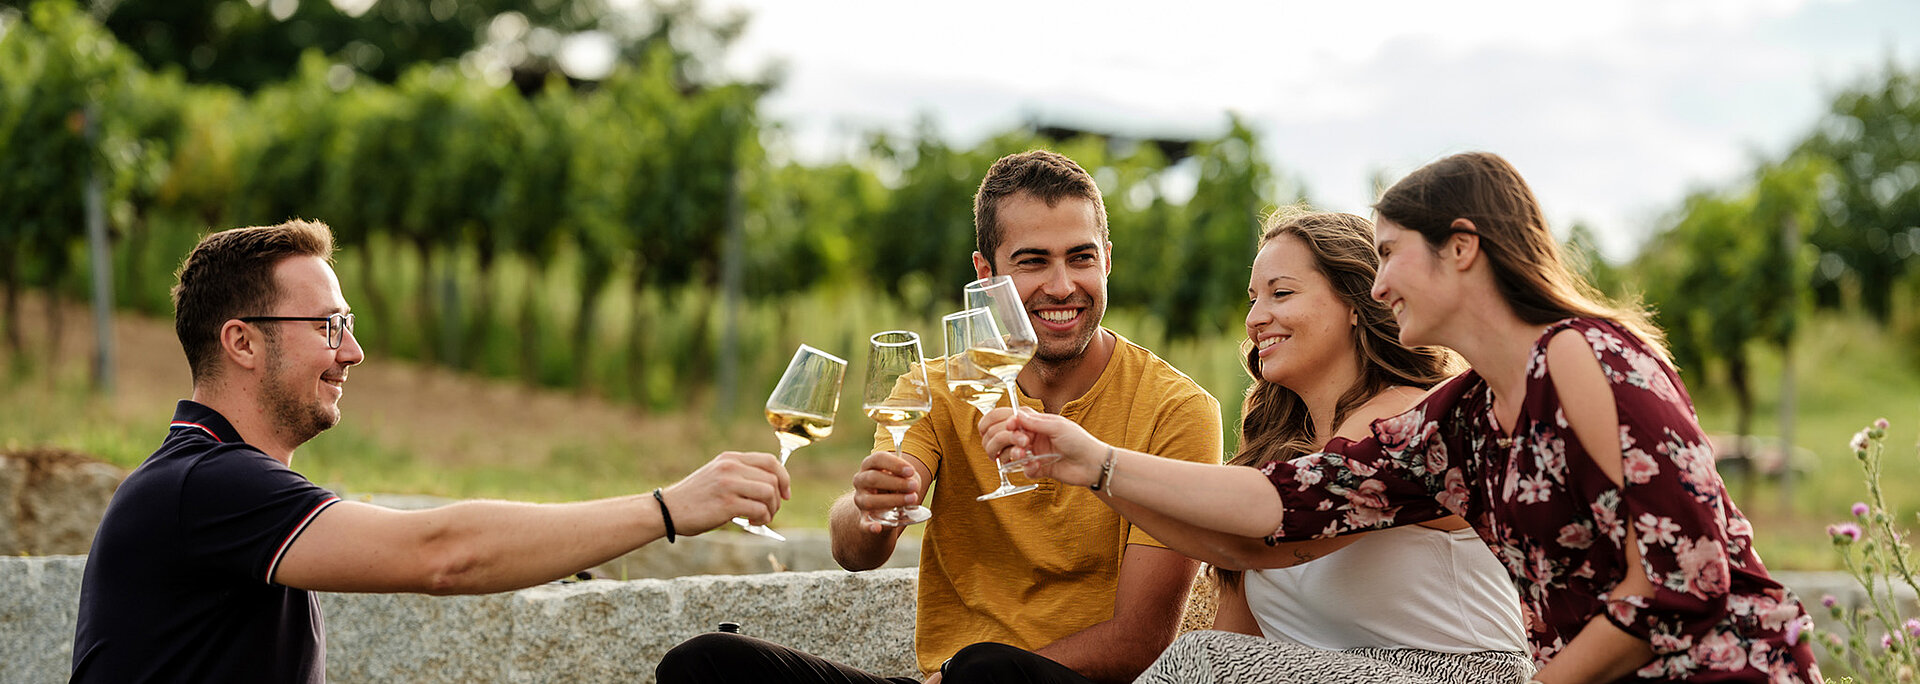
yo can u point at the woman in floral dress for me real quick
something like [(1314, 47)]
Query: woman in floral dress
[(1572, 448), (1326, 361)]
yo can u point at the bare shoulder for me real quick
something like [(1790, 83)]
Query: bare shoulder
[(1586, 399), (1389, 403), (1577, 377)]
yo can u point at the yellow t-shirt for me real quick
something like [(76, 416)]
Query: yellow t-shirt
[(1032, 568)]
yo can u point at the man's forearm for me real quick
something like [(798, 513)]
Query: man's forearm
[(1105, 652), (488, 546), (854, 548)]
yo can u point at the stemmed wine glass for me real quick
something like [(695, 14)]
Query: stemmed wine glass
[(967, 330), (801, 408), (1003, 355), (967, 381), (896, 398)]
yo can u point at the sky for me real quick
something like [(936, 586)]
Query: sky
[(1612, 110)]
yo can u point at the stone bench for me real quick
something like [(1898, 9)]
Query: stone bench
[(594, 631)]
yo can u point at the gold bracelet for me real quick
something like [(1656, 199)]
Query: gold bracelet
[(1106, 472)]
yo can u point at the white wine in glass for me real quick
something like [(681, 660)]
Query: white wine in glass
[(897, 397), (801, 408), (1003, 355), (964, 379), (796, 429)]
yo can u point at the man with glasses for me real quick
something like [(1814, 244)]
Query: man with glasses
[(203, 567)]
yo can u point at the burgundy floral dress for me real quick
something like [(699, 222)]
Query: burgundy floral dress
[(1559, 524)]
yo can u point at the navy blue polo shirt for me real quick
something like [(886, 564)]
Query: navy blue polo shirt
[(179, 586)]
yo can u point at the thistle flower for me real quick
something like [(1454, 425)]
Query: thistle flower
[(1844, 533), (1859, 509), (1859, 443), (1828, 600)]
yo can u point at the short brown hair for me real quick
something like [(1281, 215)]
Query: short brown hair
[(229, 275), (1049, 176), (1528, 268)]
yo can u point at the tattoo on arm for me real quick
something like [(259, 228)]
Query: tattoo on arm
[(1302, 556)]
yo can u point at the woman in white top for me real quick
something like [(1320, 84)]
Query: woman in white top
[(1420, 603)]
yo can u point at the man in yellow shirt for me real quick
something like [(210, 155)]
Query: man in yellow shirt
[(1046, 586)]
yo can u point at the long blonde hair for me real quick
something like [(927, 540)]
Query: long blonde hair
[(1528, 268)]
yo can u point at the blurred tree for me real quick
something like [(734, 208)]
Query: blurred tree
[(926, 231), (1207, 274), (55, 65), (1867, 233), (531, 202), (1730, 272), (251, 43)]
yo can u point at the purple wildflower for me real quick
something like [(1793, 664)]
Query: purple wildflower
[(1859, 509), (1828, 601), (1844, 533)]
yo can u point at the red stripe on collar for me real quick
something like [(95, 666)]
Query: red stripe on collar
[(208, 430)]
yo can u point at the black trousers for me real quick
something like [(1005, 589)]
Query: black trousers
[(720, 657)]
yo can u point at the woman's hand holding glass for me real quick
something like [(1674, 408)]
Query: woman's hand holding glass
[(1012, 436)]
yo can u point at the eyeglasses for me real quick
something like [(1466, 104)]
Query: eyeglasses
[(338, 325)]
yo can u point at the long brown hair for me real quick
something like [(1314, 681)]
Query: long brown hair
[(1274, 421), (1528, 268)]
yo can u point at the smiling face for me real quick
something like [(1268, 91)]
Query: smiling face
[(1410, 283), (1058, 259), (1302, 331), (304, 380)]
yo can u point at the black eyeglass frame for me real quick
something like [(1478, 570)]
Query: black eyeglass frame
[(338, 325)]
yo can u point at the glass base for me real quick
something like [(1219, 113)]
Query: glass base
[(902, 516), (761, 530), (1006, 490)]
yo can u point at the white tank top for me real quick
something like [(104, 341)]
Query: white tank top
[(1402, 587)]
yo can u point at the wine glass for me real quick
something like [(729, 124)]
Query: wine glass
[(1003, 354), (896, 398), (801, 408), (967, 381)]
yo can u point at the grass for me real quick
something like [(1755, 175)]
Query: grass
[(410, 430), (1847, 373)]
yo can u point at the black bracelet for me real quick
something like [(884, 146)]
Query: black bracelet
[(665, 517)]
